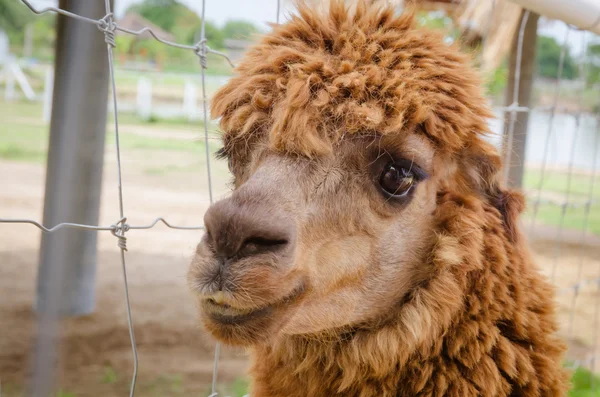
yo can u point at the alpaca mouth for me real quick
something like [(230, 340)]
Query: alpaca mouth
[(225, 314), (229, 315)]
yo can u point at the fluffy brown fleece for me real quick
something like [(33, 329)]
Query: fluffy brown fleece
[(489, 321), (316, 78), (482, 323)]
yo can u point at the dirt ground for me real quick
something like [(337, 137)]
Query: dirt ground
[(175, 355)]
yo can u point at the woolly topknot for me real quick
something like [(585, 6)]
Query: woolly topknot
[(318, 77)]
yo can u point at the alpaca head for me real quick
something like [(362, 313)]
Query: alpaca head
[(341, 129)]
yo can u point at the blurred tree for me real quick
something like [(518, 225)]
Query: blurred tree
[(214, 35), (14, 15), (548, 59), (593, 66), (163, 13), (44, 31), (495, 83), (125, 44), (434, 20), (240, 30), (178, 19)]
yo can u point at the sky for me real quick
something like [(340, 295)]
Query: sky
[(262, 12), (219, 11)]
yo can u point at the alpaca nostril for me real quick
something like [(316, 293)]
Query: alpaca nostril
[(258, 244), (236, 228)]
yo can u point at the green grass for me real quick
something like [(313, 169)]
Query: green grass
[(172, 122), (13, 151), (557, 182), (24, 141), (573, 218), (131, 141), (584, 384), (19, 109), (239, 387), (109, 376), (30, 143)]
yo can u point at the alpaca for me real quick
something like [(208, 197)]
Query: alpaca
[(369, 247)]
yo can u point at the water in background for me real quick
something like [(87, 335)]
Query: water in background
[(563, 135)]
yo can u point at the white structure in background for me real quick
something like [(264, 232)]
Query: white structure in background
[(144, 98), (585, 14), (190, 100), (48, 90), (3, 47), (12, 73)]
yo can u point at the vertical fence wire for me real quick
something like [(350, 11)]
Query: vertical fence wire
[(546, 150), (567, 199), (578, 120), (206, 144), (108, 27)]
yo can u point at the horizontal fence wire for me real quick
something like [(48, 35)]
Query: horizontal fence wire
[(108, 26)]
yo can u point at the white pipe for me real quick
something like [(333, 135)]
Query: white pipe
[(585, 14), (189, 100), (22, 80), (144, 98), (48, 90)]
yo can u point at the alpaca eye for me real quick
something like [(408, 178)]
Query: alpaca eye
[(396, 180)]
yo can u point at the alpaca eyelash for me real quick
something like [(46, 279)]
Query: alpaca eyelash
[(413, 167), (403, 162), (221, 154)]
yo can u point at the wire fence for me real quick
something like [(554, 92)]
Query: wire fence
[(565, 203), (108, 27)]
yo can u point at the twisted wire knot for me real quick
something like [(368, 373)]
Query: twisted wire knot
[(108, 26), (201, 49), (118, 230)]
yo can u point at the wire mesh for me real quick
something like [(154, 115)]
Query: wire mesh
[(108, 26), (565, 203)]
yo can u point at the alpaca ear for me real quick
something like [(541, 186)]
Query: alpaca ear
[(481, 166)]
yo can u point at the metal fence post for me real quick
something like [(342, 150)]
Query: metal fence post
[(518, 140), (67, 265)]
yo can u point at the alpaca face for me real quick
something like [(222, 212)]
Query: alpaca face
[(308, 246), (340, 129)]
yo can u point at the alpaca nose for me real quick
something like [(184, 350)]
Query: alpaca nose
[(236, 229)]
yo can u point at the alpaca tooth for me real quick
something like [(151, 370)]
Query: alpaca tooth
[(218, 297)]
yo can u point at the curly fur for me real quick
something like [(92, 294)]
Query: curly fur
[(488, 315), (317, 77), (482, 321)]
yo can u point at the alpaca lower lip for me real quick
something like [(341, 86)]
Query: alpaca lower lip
[(228, 315)]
